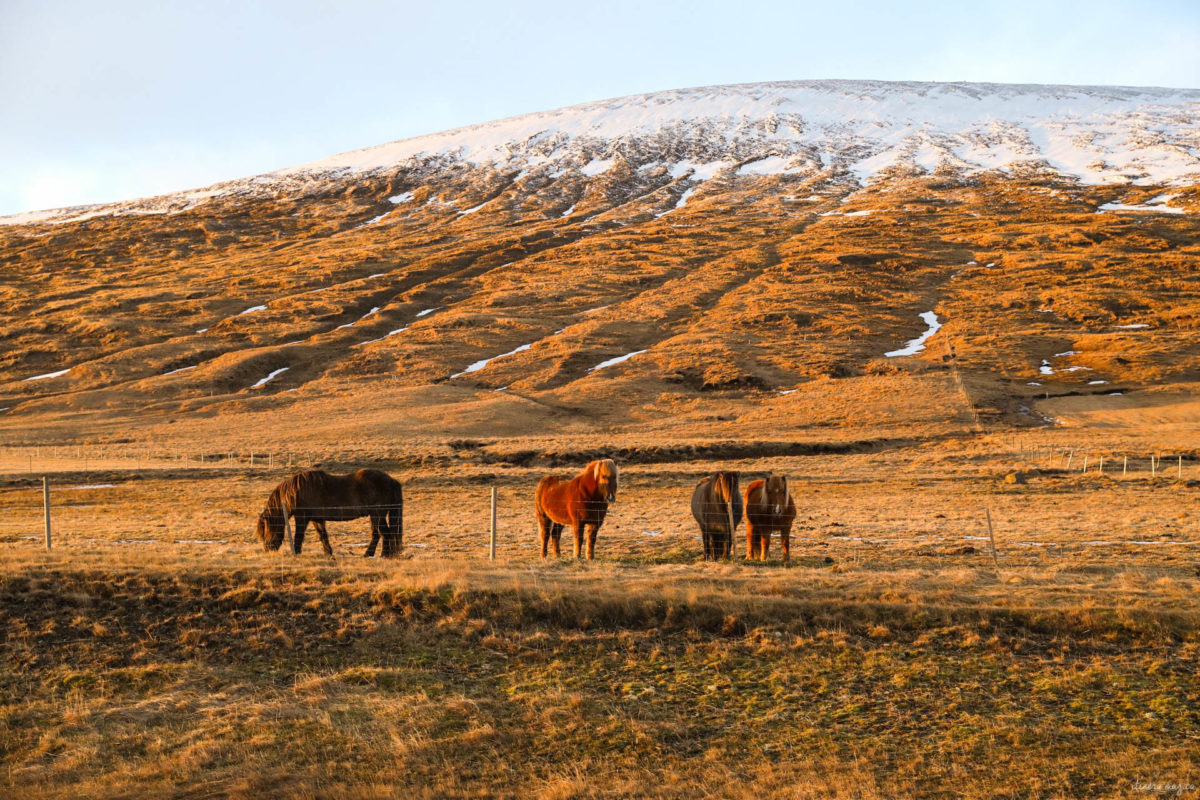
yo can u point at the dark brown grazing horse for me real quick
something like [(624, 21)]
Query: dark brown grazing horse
[(717, 507), (769, 508), (580, 502), (316, 496)]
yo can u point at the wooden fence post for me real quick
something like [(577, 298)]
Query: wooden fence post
[(992, 538), (1084, 470), (1153, 466), (492, 543), (46, 507), (1101, 465), (1181, 468), (1125, 466), (287, 526)]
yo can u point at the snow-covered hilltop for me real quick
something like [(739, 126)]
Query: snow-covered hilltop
[(1095, 134), (849, 130)]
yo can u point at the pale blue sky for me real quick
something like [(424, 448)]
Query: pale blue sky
[(112, 100)]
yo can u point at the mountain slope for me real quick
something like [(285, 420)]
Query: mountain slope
[(722, 262)]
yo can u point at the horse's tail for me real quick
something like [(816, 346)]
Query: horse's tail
[(730, 494), (395, 514), (543, 486)]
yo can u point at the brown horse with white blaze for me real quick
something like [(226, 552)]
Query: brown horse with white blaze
[(581, 502), (769, 508)]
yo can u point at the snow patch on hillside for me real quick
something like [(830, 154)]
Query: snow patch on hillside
[(270, 377), (478, 365), (916, 345)]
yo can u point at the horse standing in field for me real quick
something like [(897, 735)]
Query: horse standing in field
[(717, 507), (581, 502), (316, 496), (769, 508)]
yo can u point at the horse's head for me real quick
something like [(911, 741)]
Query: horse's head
[(775, 493), (270, 529), (605, 474)]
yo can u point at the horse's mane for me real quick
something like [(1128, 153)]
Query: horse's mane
[(723, 486), (289, 492)]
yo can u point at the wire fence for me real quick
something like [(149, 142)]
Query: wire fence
[(1145, 520)]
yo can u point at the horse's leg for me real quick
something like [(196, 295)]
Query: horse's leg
[(379, 529), (706, 539), (374, 541), (578, 525), (319, 524), (556, 530), (298, 539), (394, 524), (544, 526), (764, 543), (785, 535), (391, 543), (751, 540), (592, 530)]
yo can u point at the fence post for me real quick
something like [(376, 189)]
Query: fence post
[(1085, 458), (1125, 466), (992, 538), (492, 542), (1101, 465), (287, 526), (46, 507), (1070, 456), (1153, 466), (1181, 468)]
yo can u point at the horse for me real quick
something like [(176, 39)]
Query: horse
[(717, 507), (316, 496), (769, 508), (580, 502)]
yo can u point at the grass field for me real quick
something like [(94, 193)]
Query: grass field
[(156, 651)]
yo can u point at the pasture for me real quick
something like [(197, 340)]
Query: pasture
[(157, 651)]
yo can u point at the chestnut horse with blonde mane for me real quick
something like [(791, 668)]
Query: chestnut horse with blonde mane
[(580, 502)]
